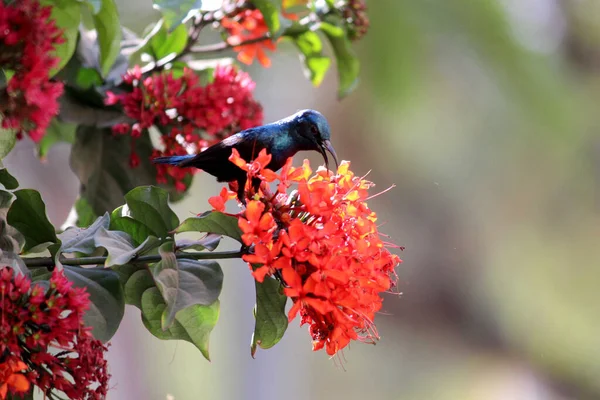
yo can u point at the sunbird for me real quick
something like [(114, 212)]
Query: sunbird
[(305, 130)]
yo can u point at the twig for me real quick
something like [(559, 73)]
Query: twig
[(35, 262)]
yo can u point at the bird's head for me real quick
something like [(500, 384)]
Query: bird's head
[(312, 131)]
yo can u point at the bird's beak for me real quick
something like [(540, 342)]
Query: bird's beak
[(326, 145)]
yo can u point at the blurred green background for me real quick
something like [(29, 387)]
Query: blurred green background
[(485, 115)]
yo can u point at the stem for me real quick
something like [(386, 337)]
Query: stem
[(34, 262)]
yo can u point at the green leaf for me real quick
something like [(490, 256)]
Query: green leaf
[(101, 162), (120, 246), (67, 14), (136, 280), (8, 180), (8, 138), (212, 222), (184, 283), (106, 296), (136, 229), (270, 11), (164, 43), (271, 319), (348, 65), (57, 132), (150, 206), (27, 214), (176, 12), (108, 27), (88, 77), (107, 300), (192, 324), (81, 240), (85, 214), (311, 52)]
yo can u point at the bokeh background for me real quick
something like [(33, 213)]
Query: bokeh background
[(485, 115)]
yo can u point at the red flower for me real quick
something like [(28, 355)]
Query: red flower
[(28, 36), (192, 117), (33, 321), (249, 25), (324, 243)]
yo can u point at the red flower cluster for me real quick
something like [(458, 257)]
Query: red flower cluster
[(323, 242), (249, 25), (28, 101), (191, 117), (34, 320)]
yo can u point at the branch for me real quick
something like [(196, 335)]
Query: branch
[(211, 48), (200, 21), (34, 262)]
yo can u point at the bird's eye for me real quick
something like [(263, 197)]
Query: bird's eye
[(314, 130)]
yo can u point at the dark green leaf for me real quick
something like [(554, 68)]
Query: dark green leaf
[(192, 324), (176, 12), (81, 240), (28, 215), (85, 214), (150, 206), (107, 301), (347, 63), (311, 51), (100, 161), (57, 132), (212, 222), (108, 27), (184, 283), (106, 296), (67, 14), (8, 139), (88, 77), (137, 230), (27, 396), (8, 180), (120, 246), (164, 43), (271, 319), (135, 282)]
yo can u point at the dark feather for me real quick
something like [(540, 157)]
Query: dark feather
[(305, 130)]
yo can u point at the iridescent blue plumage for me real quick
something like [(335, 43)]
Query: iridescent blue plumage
[(305, 130)]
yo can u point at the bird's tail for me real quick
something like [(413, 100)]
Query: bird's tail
[(179, 161)]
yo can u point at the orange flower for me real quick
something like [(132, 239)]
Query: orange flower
[(218, 202), (12, 378), (257, 226), (323, 243), (249, 25)]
